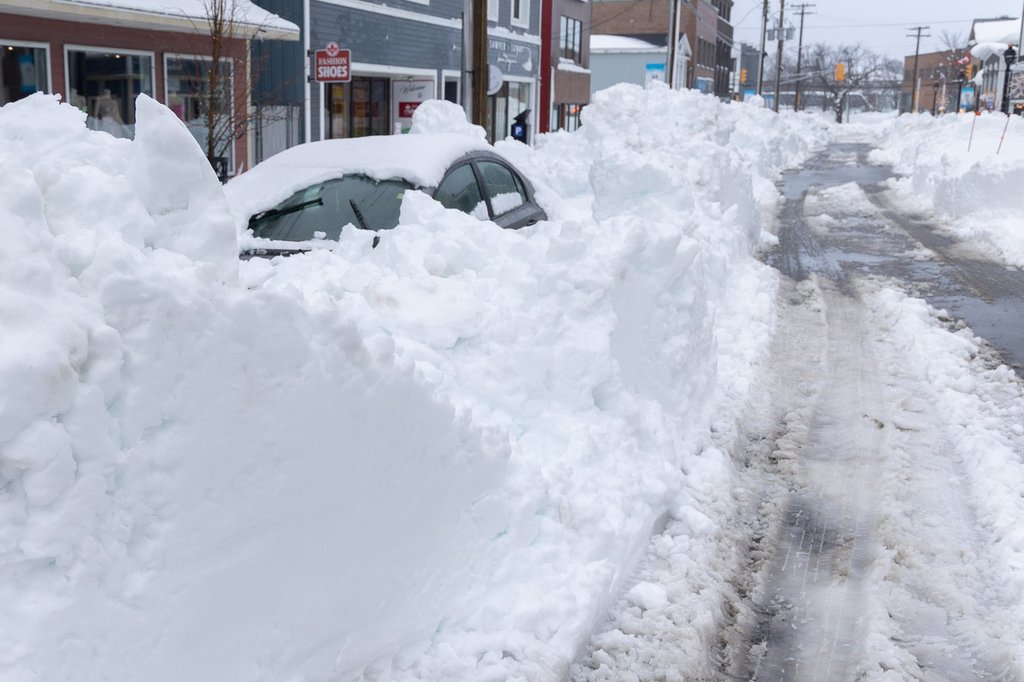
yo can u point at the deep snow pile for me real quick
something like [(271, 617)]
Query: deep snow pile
[(964, 167), (441, 455)]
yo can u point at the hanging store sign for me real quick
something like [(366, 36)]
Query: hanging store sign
[(332, 65)]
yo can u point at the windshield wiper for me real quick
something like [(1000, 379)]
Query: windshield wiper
[(359, 214), (274, 212)]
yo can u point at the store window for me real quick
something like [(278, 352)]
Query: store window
[(22, 71), (570, 39), (105, 84), (569, 116), (187, 80), (504, 106), (359, 108)]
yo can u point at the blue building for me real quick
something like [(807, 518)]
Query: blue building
[(402, 53)]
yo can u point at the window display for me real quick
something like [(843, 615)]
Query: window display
[(22, 71), (105, 84)]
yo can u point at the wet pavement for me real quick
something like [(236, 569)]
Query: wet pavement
[(888, 241)]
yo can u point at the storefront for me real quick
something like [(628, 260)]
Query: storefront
[(377, 105), (403, 57), (100, 59), (503, 107)]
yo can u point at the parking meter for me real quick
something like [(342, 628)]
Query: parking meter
[(520, 129)]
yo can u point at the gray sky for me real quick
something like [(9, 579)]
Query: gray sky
[(879, 25)]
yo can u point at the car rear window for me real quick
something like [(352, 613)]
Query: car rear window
[(329, 206)]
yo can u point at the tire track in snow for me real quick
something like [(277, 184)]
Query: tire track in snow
[(808, 627)]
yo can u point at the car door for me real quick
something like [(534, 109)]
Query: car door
[(506, 194)]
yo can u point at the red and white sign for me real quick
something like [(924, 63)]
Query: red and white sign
[(333, 64), (406, 97)]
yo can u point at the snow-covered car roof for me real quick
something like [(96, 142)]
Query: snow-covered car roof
[(419, 159)]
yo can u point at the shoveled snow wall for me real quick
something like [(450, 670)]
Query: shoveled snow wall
[(969, 169), (434, 459)]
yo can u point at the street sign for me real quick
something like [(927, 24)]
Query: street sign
[(332, 64)]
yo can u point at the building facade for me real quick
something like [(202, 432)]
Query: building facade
[(938, 83), (704, 25), (405, 52), (565, 74), (99, 58), (988, 40), (621, 59)]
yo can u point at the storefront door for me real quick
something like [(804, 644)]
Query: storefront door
[(359, 108)]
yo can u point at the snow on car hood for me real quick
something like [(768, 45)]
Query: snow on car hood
[(420, 159)]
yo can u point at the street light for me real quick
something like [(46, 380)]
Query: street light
[(1010, 56)]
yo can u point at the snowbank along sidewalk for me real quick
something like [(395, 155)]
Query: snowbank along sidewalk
[(433, 459), (968, 168)]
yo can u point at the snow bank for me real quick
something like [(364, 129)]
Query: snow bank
[(982, 403), (433, 459), (974, 183)]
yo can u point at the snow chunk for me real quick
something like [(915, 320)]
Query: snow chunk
[(648, 596), (442, 116), (180, 190)]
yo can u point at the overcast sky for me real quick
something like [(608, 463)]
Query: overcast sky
[(879, 25)]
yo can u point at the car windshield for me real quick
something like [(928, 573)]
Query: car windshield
[(320, 211)]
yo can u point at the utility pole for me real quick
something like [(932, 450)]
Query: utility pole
[(917, 52), (778, 57), (673, 43), (800, 51), (480, 75), (760, 57)]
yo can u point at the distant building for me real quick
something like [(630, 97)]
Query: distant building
[(746, 76), (705, 63), (988, 40), (620, 59), (937, 82)]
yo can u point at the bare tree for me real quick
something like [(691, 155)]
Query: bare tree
[(221, 114), (860, 68)]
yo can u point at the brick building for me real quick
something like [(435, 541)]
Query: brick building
[(937, 74), (100, 58)]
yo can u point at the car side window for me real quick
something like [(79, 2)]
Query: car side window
[(502, 186), (459, 190)]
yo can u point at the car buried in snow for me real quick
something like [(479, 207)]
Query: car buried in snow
[(302, 198)]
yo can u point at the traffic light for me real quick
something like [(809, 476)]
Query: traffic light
[(743, 75), (970, 71), (840, 71)]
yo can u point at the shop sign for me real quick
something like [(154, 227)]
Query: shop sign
[(509, 56), (654, 72), (333, 64), (407, 95)]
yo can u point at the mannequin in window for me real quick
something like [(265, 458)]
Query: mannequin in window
[(106, 108)]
